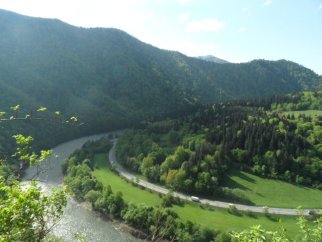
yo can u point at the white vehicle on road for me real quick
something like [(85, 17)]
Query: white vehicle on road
[(195, 199)]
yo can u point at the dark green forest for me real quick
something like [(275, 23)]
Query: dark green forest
[(111, 80), (277, 137)]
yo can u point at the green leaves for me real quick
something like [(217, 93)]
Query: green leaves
[(41, 109), (15, 108), (23, 151), (26, 212), (309, 233), (73, 119), (44, 154), (22, 140)]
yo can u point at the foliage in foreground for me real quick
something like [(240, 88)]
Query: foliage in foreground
[(309, 233), (26, 212)]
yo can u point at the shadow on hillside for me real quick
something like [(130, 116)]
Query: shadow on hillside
[(233, 184), (235, 196), (244, 177)]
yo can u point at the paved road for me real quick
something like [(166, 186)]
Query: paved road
[(219, 204)]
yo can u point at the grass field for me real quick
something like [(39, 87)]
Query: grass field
[(222, 220), (274, 193), (305, 112), (218, 219), (130, 193)]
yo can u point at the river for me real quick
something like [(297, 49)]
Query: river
[(77, 218)]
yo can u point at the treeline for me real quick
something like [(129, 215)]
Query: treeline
[(298, 101), (194, 153), (157, 223)]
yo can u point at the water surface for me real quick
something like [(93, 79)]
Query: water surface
[(77, 218)]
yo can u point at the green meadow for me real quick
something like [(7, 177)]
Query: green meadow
[(219, 219), (305, 112), (274, 193)]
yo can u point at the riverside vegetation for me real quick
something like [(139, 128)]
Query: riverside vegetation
[(157, 222), (88, 181)]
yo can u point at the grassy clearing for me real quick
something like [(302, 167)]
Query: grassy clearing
[(130, 193), (222, 220), (218, 219), (305, 112), (274, 193)]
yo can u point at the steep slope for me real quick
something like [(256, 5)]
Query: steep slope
[(110, 79)]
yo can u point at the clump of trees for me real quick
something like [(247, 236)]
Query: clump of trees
[(193, 153)]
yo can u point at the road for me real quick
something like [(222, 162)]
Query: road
[(214, 203)]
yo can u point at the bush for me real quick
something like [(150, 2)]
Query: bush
[(250, 214), (169, 200), (233, 210)]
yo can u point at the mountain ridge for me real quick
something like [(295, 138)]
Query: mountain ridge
[(111, 79), (212, 58)]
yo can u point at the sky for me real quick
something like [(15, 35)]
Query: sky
[(234, 30)]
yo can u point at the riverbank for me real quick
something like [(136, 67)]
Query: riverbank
[(77, 218), (117, 223)]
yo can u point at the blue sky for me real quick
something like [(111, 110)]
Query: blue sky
[(235, 30)]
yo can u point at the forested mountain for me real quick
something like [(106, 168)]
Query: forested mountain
[(278, 137), (212, 58), (111, 80)]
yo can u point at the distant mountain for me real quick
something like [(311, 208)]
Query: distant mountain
[(212, 58), (111, 79)]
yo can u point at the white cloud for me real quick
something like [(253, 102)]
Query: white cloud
[(183, 17), (267, 2), (205, 25), (242, 29), (125, 14), (320, 7)]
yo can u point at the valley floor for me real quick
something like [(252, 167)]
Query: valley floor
[(207, 216)]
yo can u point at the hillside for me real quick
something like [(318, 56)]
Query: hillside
[(212, 58), (112, 80), (197, 152)]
